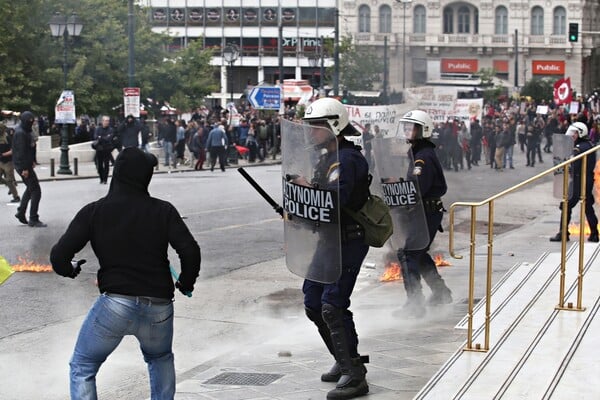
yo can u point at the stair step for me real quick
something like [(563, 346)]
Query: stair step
[(523, 323)]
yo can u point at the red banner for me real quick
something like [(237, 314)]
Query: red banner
[(563, 94)]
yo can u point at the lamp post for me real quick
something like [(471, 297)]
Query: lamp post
[(65, 26), (230, 55), (405, 4)]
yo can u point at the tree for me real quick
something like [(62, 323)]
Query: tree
[(360, 66), (538, 89), (31, 60)]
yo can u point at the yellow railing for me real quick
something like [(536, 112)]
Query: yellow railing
[(490, 244)]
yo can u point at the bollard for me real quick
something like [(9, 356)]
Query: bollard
[(75, 166), (52, 167)]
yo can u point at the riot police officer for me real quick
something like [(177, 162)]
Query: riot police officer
[(578, 131), (327, 304), (427, 169)]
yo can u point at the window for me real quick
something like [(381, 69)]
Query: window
[(385, 19), (560, 21), (419, 20), (537, 20), (464, 20), (364, 19), (501, 21), (448, 20)]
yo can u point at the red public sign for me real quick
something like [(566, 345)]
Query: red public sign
[(459, 65), (548, 67)]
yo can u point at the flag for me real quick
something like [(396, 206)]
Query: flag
[(563, 94), (5, 270)]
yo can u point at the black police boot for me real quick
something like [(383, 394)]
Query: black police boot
[(593, 237), (558, 237), (335, 373), (414, 306), (441, 295), (352, 383)]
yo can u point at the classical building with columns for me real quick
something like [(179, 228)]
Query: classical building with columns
[(426, 40), (519, 40)]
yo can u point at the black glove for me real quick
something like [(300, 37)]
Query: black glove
[(76, 264), (186, 291)]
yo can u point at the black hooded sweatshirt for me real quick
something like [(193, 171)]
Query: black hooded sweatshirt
[(130, 232), (21, 146)]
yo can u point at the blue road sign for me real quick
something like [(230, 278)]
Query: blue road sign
[(266, 97)]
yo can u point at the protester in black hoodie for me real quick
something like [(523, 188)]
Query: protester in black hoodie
[(24, 162), (130, 232)]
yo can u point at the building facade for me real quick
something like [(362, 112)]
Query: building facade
[(426, 40), (519, 40), (273, 39)]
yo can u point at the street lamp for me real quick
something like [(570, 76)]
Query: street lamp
[(230, 55), (405, 4), (65, 26)]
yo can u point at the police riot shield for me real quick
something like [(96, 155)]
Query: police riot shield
[(396, 183), (562, 149), (311, 201)]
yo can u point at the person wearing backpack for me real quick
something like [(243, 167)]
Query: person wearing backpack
[(432, 185), (327, 304)]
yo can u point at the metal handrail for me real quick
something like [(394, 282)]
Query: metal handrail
[(490, 202)]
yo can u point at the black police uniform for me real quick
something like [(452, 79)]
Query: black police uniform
[(418, 263), (327, 304), (582, 145)]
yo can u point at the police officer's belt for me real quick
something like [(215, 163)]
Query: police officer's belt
[(433, 204)]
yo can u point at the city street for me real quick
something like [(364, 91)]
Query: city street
[(237, 230)]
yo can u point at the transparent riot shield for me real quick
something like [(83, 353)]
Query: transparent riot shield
[(311, 202), (394, 182), (562, 149)]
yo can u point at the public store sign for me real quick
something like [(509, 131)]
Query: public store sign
[(131, 102), (65, 108)]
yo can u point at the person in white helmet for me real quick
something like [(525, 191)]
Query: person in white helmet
[(579, 132), (327, 305), (428, 170)]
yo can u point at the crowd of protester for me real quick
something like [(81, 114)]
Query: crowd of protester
[(511, 125)]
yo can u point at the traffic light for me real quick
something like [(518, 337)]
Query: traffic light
[(573, 32), (345, 99)]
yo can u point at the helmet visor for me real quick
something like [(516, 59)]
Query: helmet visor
[(409, 130)]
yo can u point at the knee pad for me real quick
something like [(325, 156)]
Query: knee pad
[(332, 315), (314, 316)]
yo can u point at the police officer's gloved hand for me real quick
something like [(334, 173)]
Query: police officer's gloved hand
[(76, 264), (183, 289)]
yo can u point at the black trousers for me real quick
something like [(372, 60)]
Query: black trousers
[(32, 193)]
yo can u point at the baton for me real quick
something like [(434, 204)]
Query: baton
[(278, 209), (176, 276)]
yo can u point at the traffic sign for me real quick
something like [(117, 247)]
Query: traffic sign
[(265, 97)]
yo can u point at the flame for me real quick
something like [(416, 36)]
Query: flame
[(392, 273), (574, 229), (30, 266), (440, 262)]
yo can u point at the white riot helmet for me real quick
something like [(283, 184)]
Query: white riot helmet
[(419, 118), (332, 112), (577, 130)]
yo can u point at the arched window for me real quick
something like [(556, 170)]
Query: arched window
[(419, 19), (385, 19), (501, 21), (537, 20), (364, 19), (559, 27), (448, 20), (464, 20)]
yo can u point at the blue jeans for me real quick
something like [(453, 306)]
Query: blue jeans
[(108, 321), (169, 155), (508, 156)]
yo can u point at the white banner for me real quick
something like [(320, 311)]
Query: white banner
[(65, 108), (131, 102)]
